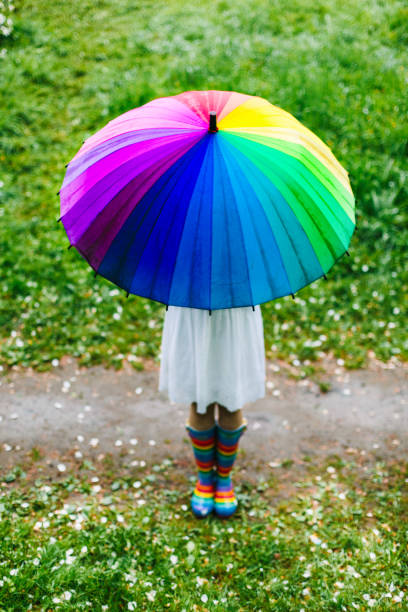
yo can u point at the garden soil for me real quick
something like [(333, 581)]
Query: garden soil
[(95, 411)]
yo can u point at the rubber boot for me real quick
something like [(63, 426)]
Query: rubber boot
[(203, 442), (226, 451)]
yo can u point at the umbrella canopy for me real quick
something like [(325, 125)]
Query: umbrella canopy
[(208, 199)]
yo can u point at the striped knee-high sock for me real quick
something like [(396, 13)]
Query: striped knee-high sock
[(226, 452), (203, 442)]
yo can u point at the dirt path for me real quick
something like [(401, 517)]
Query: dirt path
[(96, 411)]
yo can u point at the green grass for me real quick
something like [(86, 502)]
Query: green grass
[(339, 543), (68, 69)]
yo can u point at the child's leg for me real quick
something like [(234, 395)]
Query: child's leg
[(201, 421), (229, 420)]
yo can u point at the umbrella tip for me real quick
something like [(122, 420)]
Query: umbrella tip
[(209, 312), (127, 294), (59, 219), (70, 246), (325, 277), (293, 296), (347, 253), (58, 192), (213, 122)]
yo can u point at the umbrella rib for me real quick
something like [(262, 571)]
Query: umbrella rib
[(206, 169), (307, 212), (228, 239), (227, 173), (104, 144), (321, 202), (165, 160), (278, 214), (319, 197), (270, 280), (222, 117), (126, 252), (131, 242), (181, 232), (113, 133), (299, 136), (170, 140), (107, 228), (304, 155), (153, 225), (154, 110)]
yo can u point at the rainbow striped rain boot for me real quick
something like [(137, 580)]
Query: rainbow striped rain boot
[(226, 451), (202, 501)]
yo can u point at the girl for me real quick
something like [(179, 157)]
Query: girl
[(208, 359)]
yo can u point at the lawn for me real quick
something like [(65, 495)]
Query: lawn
[(67, 69), (330, 536), (336, 541)]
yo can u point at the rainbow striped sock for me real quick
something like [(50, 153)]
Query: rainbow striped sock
[(226, 452), (202, 501)]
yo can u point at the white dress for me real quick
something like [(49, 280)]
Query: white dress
[(213, 358)]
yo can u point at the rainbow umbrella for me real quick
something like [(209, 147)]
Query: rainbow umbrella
[(208, 199)]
